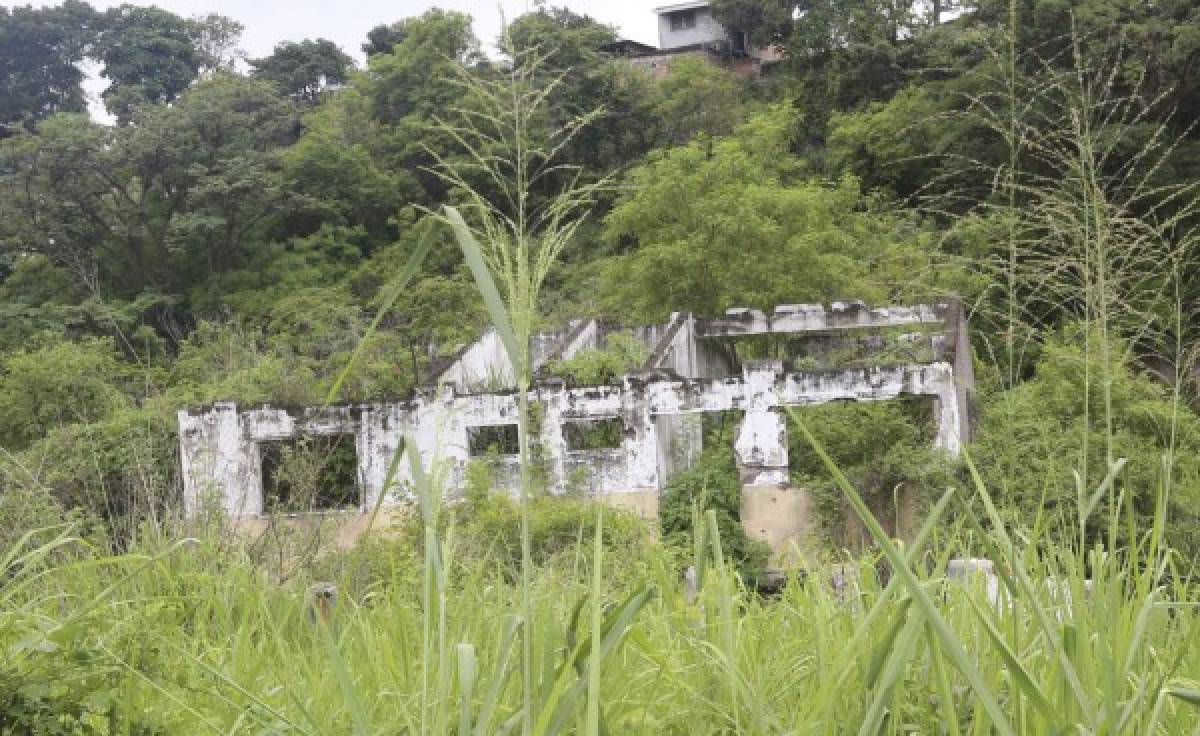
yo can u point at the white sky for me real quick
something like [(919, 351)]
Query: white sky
[(346, 22)]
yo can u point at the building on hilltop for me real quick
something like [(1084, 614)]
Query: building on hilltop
[(690, 29)]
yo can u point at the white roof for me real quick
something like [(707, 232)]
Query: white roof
[(681, 6)]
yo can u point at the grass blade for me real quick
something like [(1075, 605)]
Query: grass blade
[(954, 648), (1018, 672), (466, 686), (389, 298), (496, 308)]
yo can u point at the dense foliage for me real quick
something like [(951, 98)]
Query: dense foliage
[(231, 236)]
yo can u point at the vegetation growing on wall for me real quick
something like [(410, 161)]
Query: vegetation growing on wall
[(621, 354), (885, 448)]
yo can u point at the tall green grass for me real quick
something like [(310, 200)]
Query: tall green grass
[(191, 638)]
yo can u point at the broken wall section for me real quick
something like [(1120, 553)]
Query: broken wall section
[(651, 419)]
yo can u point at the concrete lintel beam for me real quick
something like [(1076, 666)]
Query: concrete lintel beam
[(803, 318)]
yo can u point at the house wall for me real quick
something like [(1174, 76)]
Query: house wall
[(484, 365), (659, 411), (220, 444), (706, 30)]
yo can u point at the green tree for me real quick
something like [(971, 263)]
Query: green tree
[(40, 53), (148, 55), (413, 79), (36, 297), (302, 70), (566, 39), (765, 22), (55, 384), (383, 38), (617, 99), (726, 223), (697, 97), (161, 205), (1033, 438), (337, 165), (54, 199), (412, 84), (216, 40)]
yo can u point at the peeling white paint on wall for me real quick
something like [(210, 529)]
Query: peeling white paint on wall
[(221, 453)]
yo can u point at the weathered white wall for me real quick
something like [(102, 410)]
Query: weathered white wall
[(801, 318), (706, 30), (659, 410), (221, 456), (221, 461), (483, 366)]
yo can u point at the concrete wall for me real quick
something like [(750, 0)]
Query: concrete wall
[(706, 30), (692, 372), (782, 517), (221, 457), (484, 366), (748, 66), (659, 65)]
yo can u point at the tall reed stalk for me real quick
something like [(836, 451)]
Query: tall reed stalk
[(522, 207)]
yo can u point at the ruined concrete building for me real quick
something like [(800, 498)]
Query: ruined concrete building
[(649, 419)]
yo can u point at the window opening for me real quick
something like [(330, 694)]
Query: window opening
[(318, 473), (593, 434), (684, 20), (494, 439)]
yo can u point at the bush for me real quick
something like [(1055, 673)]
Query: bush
[(55, 384), (25, 508), (375, 564), (880, 446), (55, 677), (621, 354), (488, 526), (122, 469), (63, 700), (713, 483), (1033, 438)]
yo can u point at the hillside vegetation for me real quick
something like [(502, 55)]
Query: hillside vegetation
[(298, 229)]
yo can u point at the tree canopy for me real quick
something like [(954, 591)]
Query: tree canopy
[(302, 70)]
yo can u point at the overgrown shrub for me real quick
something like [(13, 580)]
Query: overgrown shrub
[(883, 447), (1034, 438), (55, 678), (712, 483), (487, 526), (375, 564), (621, 353), (560, 528), (66, 697), (122, 469), (26, 507), (56, 382)]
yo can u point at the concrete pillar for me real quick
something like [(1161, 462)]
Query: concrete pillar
[(552, 438), (949, 418), (221, 467), (761, 445), (959, 339), (380, 436), (761, 449), (640, 447)]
